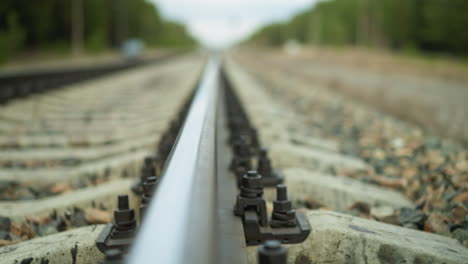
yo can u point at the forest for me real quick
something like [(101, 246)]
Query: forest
[(430, 26), (65, 26)]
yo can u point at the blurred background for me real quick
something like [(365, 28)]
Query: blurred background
[(62, 27), (408, 25)]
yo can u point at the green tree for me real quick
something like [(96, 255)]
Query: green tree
[(428, 25), (46, 25)]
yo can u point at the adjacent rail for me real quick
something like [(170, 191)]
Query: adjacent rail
[(24, 83)]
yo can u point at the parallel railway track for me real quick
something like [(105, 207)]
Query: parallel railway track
[(21, 84)]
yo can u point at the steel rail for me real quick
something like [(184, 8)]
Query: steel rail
[(182, 223), (17, 84)]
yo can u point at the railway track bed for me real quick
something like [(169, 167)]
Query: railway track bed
[(70, 153)]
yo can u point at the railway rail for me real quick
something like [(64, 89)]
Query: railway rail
[(199, 193), (210, 191), (21, 84)]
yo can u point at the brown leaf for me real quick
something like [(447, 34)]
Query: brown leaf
[(22, 230), (462, 197), (410, 173), (459, 213), (41, 220), (97, 216), (391, 182), (60, 188), (437, 223)]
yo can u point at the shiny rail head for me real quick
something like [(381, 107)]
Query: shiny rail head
[(172, 223)]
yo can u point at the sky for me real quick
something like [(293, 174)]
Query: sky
[(220, 23)]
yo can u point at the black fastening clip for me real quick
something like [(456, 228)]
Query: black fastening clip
[(241, 161), (251, 197), (286, 225), (120, 233), (283, 215), (148, 169)]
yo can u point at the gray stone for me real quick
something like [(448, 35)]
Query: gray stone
[(76, 246), (339, 238), (46, 176), (410, 217), (314, 142), (75, 155), (289, 155), (104, 194), (381, 211), (336, 192), (460, 234), (91, 113), (46, 230)]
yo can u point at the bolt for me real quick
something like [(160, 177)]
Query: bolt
[(124, 216), (251, 175), (241, 148), (251, 185), (254, 142), (264, 164), (148, 189), (251, 196), (148, 168), (149, 160), (272, 252), (123, 202), (149, 185), (281, 193), (283, 215), (241, 166)]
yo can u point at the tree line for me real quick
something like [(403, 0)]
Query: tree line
[(426, 25), (89, 25)]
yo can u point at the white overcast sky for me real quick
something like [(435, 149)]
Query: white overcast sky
[(219, 23)]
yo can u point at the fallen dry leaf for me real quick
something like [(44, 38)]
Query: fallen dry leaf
[(391, 182), (437, 223), (41, 220), (97, 216), (22, 230), (459, 213), (60, 188), (462, 197)]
